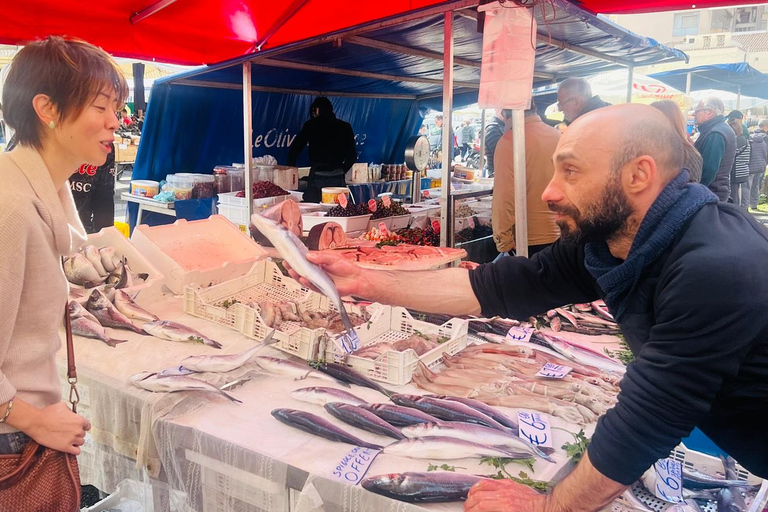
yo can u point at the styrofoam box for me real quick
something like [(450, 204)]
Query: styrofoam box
[(400, 221), (374, 223), (211, 250), (230, 198), (348, 224), (390, 324)]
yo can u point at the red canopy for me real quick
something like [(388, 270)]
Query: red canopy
[(637, 6), (189, 31)]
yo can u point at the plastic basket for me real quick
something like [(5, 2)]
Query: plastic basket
[(392, 324)]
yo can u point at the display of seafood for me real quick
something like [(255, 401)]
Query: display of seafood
[(92, 267), (420, 343), (275, 314), (172, 331), (86, 325), (592, 319), (362, 419), (328, 235)]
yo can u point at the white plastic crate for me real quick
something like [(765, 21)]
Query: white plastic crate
[(400, 221), (392, 324), (211, 250), (230, 198), (348, 224)]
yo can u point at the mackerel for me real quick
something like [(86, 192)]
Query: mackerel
[(447, 410), (430, 487), (398, 415), (347, 374), (479, 406), (363, 419), (318, 426)]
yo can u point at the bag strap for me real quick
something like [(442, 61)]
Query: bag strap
[(74, 396)]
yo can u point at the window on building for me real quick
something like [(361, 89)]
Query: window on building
[(686, 24), (746, 19)]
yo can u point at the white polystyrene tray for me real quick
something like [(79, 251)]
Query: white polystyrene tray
[(204, 251), (231, 198), (348, 224)]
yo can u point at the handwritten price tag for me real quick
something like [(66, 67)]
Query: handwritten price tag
[(387, 201), (342, 199), (353, 467), (520, 334), (372, 205), (554, 371), (534, 428), (669, 478)]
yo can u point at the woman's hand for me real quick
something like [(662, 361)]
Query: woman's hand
[(59, 428)]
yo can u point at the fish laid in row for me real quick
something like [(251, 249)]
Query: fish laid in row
[(347, 374), (447, 410), (362, 419), (400, 416), (447, 448), (107, 314), (318, 426), (86, 325), (174, 383), (296, 371), (322, 395), (172, 331), (225, 363)]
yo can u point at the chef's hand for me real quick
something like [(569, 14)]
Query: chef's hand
[(349, 278), (503, 496), (59, 428)]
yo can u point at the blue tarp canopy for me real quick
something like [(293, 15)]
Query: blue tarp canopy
[(738, 78)]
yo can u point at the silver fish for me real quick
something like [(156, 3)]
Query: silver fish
[(225, 363), (297, 371), (80, 271), (447, 410), (693, 479), (318, 426), (489, 411), (477, 434), (171, 384), (321, 396), (86, 325), (399, 415), (445, 448), (175, 371), (126, 305), (730, 500), (430, 487), (363, 419), (295, 253), (91, 253), (583, 355), (108, 315), (106, 254), (172, 331)]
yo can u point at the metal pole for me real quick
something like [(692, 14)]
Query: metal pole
[(248, 137), (738, 98), (446, 222), (630, 79), (687, 84), (521, 203), (482, 142)]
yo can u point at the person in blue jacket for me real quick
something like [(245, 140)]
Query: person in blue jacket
[(717, 146)]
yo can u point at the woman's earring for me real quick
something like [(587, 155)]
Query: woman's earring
[(51, 125)]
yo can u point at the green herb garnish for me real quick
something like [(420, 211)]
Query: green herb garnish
[(444, 467), (624, 354), (578, 448), (501, 462), (196, 339)]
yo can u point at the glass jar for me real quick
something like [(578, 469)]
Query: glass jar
[(221, 180)]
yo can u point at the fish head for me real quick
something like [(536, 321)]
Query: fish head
[(138, 377), (98, 300), (404, 400), (192, 361), (74, 308), (389, 482)]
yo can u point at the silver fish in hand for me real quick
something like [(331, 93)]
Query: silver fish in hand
[(172, 331), (171, 384), (225, 363), (107, 313)]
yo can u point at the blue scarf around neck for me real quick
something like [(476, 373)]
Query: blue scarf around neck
[(677, 203)]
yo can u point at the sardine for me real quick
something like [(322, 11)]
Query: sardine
[(430, 487), (172, 331), (108, 315), (225, 363), (477, 434), (477, 405), (295, 253), (106, 254), (318, 426), (363, 419), (91, 253), (730, 500), (445, 448), (173, 383), (80, 271), (321, 396), (347, 374), (448, 410), (400, 416), (297, 371), (126, 305)]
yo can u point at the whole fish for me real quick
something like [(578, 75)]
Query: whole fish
[(88, 327), (447, 410), (318, 426), (347, 374), (363, 419), (91, 253), (225, 363), (400, 416), (173, 383), (107, 254), (99, 304), (80, 271), (295, 253), (477, 434), (445, 448), (298, 371), (430, 487), (321, 396), (489, 411), (167, 330), (730, 500), (583, 355), (705, 495), (693, 479), (125, 304)]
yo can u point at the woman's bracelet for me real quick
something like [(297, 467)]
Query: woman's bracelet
[(7, 410)]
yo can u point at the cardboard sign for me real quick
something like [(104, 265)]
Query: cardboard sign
[(343, 201), (534, 428), (669, 480), (518, 333), (554, 371), (353, 467)]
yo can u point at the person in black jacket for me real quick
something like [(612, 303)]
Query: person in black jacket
[(574, 99), (93, 189), (332, 149), (660, 251), (493, 133), (758, 159)]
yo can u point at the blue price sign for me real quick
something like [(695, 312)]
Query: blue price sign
[(669, 480), (554, 371), (520, 334), (353, 467), (534, 428)]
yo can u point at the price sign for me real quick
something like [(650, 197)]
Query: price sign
[(353, 467), (383, 230), (425, 194), (387, 201), (554, 371), (372, 205), (343, 201), (669, 480), (534, 428), (518, 333)]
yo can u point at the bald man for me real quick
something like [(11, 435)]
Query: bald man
[(659, 251)]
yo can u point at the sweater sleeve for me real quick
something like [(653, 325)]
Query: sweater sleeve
[(13, 248), (518, 287), (694, 346), (712, 153)]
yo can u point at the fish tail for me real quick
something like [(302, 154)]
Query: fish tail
[(212, 343), (230, 397), (113, 342)]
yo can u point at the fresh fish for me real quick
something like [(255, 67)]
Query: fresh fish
[(693, 479), (430, 487), (601, 309), (91, 253), (321, 396), (117, 277), (173, 383), (106, 254), (400, 416), (363, 419), (447, 410), (225, 363), (445, 448), (87, 328), (730, 500), (479, 406), (167, 330), (347, 374), (477, 434), (688, 506), (318, 426), (297, 371), (583, 355), (705, 495), (125, 304), (295, 253), (175, 371), (108, 315), (76, 310), (79, 270)]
